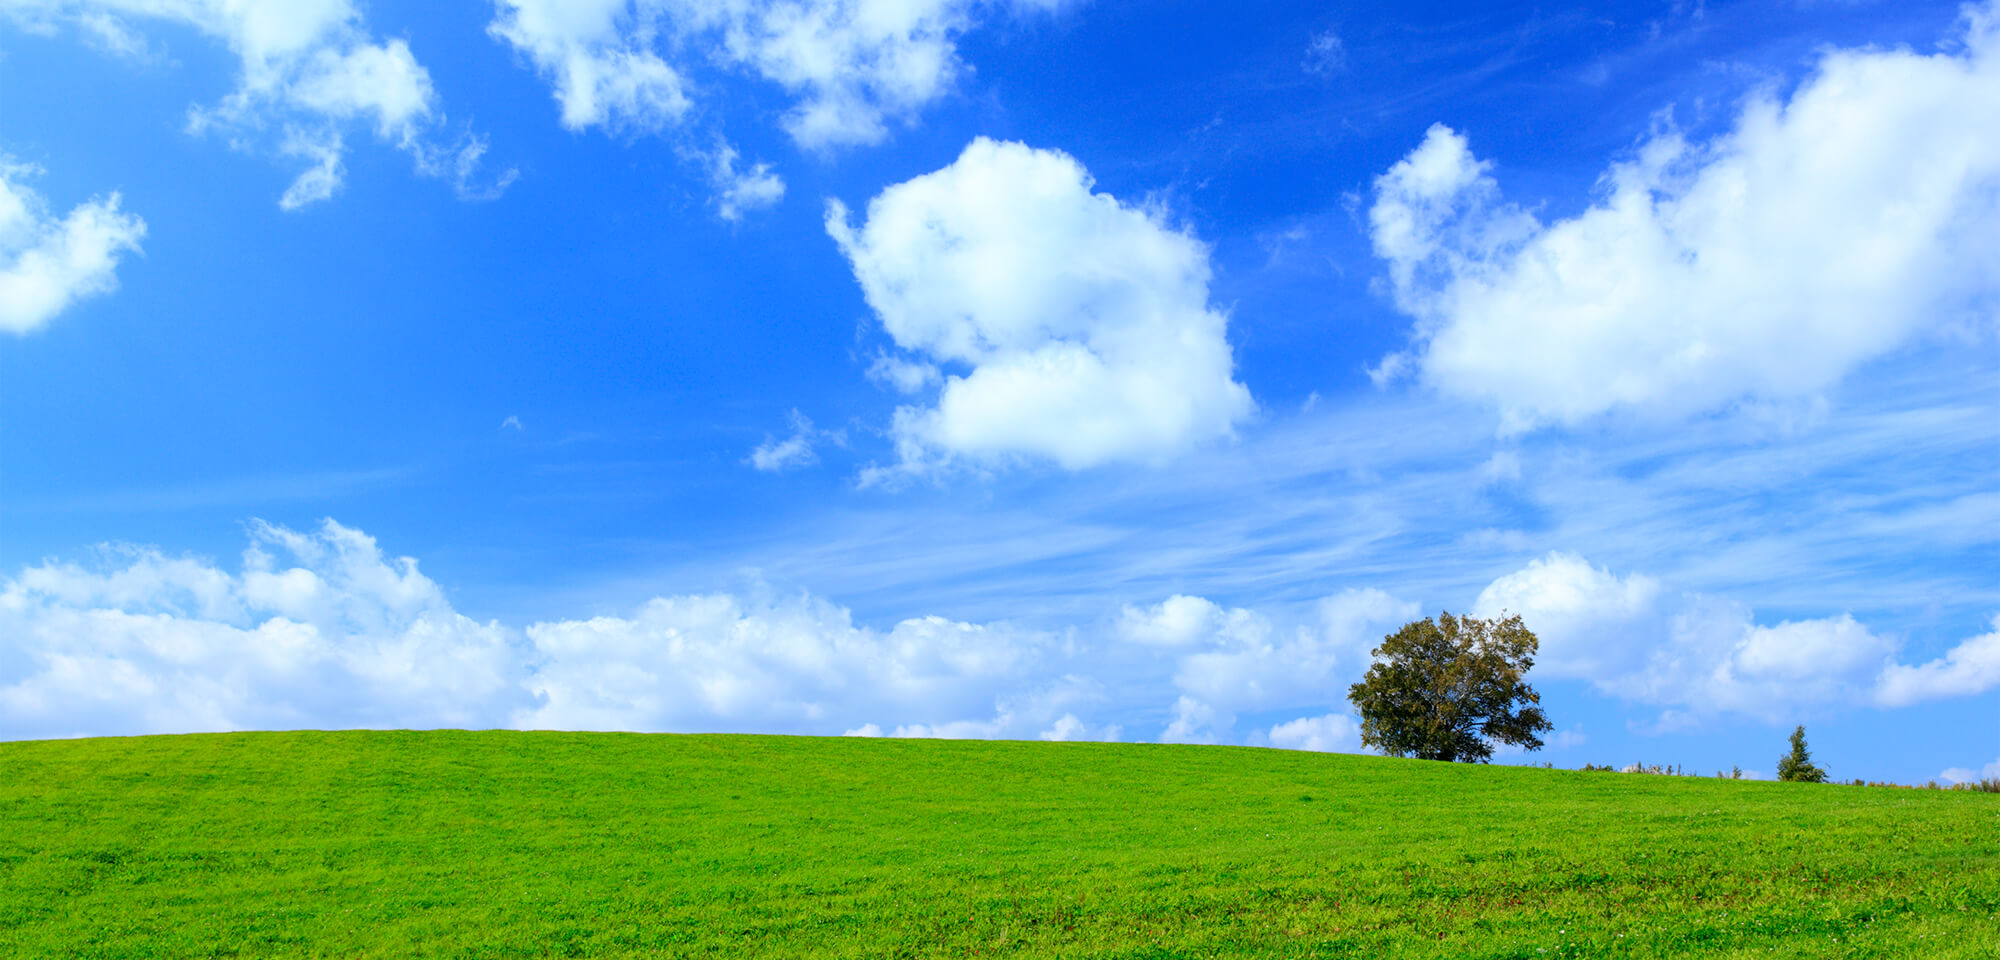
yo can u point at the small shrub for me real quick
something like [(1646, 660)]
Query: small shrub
[(1658, 770)]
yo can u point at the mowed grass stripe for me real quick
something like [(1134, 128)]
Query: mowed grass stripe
[(505, 844)]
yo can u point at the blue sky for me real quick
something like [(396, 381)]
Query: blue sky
[(1021, 368)]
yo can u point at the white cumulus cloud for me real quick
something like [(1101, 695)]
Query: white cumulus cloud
[(308, 68), (1077, 328), (740, 190), (1355, 621), (1970, 668), (1249, 662), (1591, 623), (322, 628), (1332, 733), (1230, 661), (1701, 656), (342, 637), (1826, 228), (597, 56), (851, 67), (771, 664), (1194, 722), (48, 263), (1967, 775), (1177, 621)]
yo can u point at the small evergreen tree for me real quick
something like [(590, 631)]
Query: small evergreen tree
[(1797, 766)]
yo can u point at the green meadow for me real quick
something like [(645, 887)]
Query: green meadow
[(452, 844)]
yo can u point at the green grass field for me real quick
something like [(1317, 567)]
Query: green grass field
[(451, 844)]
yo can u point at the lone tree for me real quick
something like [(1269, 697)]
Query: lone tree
[(1797, 766), (1441, 690)]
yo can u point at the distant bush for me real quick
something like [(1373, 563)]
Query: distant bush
[(1654, 769), (1984, 785)]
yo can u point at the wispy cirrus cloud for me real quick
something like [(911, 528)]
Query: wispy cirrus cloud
[(799, 449), (1879, 511)]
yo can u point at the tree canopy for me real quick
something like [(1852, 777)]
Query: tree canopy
[(1448, 689), (1797, 766)]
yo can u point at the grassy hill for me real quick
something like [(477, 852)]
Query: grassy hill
[(450, 844)]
